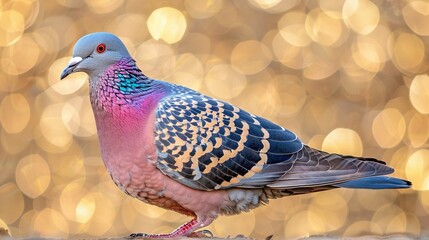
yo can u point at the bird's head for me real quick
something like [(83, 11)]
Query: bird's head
[(94, 52)]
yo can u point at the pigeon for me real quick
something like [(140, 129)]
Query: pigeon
[(181, 150)]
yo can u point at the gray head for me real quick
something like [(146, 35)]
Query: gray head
[(94, 52)]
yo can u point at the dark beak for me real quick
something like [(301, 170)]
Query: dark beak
[(71, 67)]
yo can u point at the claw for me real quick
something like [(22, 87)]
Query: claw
[(136, 235), (202, 234)]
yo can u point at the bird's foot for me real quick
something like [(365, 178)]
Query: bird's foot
[(201, 234), (186, 229)]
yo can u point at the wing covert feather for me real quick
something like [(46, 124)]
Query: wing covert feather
[(208, 144)]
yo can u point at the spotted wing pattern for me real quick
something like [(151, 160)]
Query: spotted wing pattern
[(208, 144)]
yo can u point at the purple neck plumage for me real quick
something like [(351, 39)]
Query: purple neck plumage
[(121, 86)]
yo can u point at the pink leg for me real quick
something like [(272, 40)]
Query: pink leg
[(184, 230)]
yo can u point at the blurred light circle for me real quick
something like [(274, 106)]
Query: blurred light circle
[(226, 225), (85, 209), (12, 25), (264, 4), (323, 28), (343, 141), (33, 175), (49, 222), (17, 109), (330, 206), (11, 202), (319, 65), (21, 57), (203, 9), (388, 128), (67, 86), (168, 24), (250, 57), (288, 54), (292, 28), (416, 15), (104, 6), (407, 51), (28, 8), (361, 15), (368, 54), (224, 81), (103, 215), (357, 229), (274, 6), (417, 169), (189, 64), (155, 56), (289, 93), (78, 118), (125, 26), (419, 93), (418, 130), (53, 129)]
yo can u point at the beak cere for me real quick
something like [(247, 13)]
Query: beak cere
[(71, 67)]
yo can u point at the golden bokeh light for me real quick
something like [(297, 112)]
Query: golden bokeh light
[(124, 26), (20, 57), (323, 28), (52, 130), (349, 77), (390, 219), (12, 25), (85, 209), (70, 198), (224, 81), (203, 9), (419, 93), (104, 6), (416, 14), (73, 83), (290, 96), (231, 225), (331, 206), (292, 29), (417, 169), (264, 4), (368, 54), (188, 71), (49, 222), (418, 130), (156, 58), (17, 108), (28, 8), (250, 62), (361, 16), (168, 24), (407, 50), (33, 175), (11, 202), (287, 53), (77, 118), (274, 6), (388, 128), (343, 141)]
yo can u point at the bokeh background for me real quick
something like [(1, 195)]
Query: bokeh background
[(346, 76)]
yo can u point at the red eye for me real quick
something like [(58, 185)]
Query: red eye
[(101, 48)]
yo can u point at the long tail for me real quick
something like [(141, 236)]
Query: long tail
[(376, 182)]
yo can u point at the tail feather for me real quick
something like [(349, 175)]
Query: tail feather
[(375, 182)]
